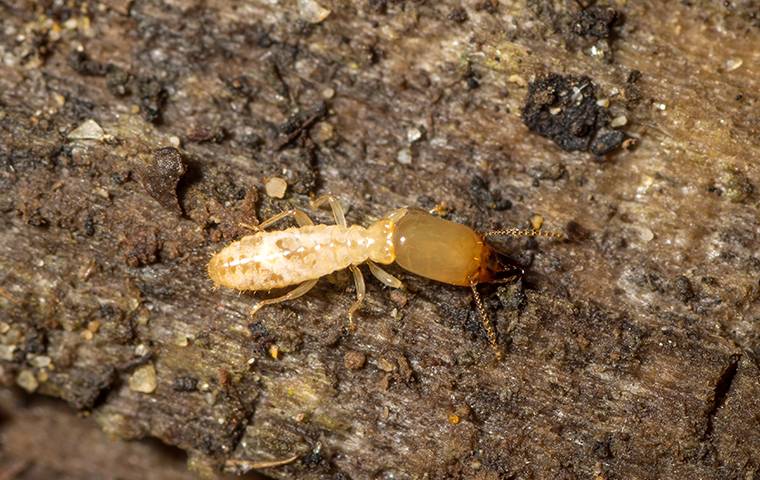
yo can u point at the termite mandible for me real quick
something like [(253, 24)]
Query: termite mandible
[(421, 243)]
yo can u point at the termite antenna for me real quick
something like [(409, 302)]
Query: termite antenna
[(487, 325), (516, 232)]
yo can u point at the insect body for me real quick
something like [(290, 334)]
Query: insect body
[(417, 241)]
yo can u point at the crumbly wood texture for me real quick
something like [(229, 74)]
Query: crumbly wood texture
[(136, 136)]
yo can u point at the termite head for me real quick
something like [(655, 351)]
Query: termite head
[(495, 267)]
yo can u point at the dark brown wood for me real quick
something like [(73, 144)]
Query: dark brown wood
[(630, 348)]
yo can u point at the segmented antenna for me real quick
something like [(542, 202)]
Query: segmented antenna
[(487, 325), (517, 232)]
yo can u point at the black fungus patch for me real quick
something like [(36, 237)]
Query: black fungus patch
[(564, 109)]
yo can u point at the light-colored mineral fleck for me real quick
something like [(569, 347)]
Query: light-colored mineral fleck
[(517, 79), (276, 187), (6, 352), (311, 11), (27, 381), (404, 156), (413, 134), (386, 365), (733, 63), (536, 222), (4, 327), (619, 121), (274, 351), (182, 340), (141, 350), (89, 130), (143, 379), (646, 234), (323, 132), (603, 102), (40, 361)]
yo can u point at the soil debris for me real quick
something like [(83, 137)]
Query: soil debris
[(565, 110)]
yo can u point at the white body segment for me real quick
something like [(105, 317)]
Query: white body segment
[(276, 259)]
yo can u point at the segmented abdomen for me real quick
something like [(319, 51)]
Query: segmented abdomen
[(277, 259)]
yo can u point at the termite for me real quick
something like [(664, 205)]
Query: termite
[(421, 243)]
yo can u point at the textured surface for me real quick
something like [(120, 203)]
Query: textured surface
[(631, 348)]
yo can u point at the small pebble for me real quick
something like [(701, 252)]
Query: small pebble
[(328, 93), (517, 79), (174, 141), (143, 379), (354, 360), (276, 187), (6, 352), (4, 327), (404, 156), (536, 222), (733, 63), (274, 351), (27, 381), (646, 234), (454, 419), (89, 130), (386, 365), (619, 121), (323, 132), (413, 134), (141, 350), (182, 340), (312, 12), (40, 361), (603, 102)]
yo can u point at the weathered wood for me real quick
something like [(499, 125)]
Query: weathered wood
[(631, 347)]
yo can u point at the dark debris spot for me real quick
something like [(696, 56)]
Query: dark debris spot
[(153, 98), (595, 21), (161, 176), (683, 289), (84, 65), (117, 81), (483, 196), (141, 248), (564, 109), (185, 383), (298, 123), (606, 141), (88, 226), (203, 134), (512, 296), (458, 15), (260, 337), (576, 232), (82, 388)]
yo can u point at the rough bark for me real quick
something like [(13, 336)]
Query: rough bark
[(136, 136)]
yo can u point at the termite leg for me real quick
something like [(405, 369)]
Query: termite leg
[(291, 295), (337, 209), (487, 325), (360, 293), (301, 219), (384, 276), (516, 232)]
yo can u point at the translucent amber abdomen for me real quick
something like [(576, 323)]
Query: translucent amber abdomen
[(435, 248)]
